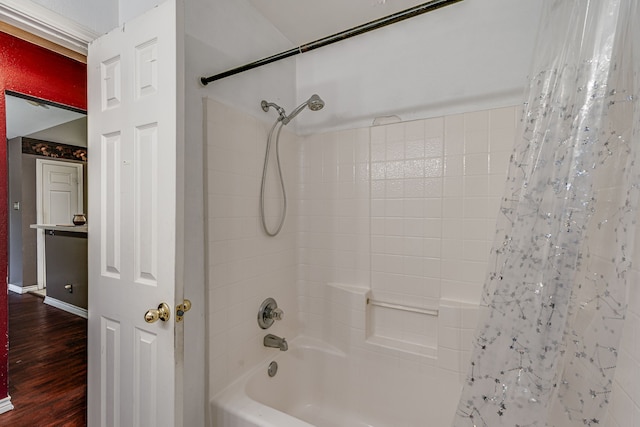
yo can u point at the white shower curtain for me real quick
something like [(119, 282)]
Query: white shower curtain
[(554, 300)]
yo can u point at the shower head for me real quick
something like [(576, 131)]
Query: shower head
[(314, 103)]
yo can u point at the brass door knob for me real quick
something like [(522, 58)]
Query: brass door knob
[(163, 313)]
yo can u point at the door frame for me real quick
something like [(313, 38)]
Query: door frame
[(40, 245)]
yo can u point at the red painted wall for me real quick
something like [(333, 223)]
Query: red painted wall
[(38, 72)]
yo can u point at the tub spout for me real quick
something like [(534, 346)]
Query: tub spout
[(273, 341)]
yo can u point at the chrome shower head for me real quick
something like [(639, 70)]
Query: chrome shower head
[(314, 103)]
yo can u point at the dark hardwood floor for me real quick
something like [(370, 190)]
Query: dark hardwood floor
[(47, 365)]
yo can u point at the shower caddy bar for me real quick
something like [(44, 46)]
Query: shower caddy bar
[(402, 307), (343, 35)]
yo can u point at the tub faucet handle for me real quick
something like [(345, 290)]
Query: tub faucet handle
[(269, 313), (277, 314)]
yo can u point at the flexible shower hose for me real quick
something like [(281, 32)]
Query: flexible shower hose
[(264, 180)]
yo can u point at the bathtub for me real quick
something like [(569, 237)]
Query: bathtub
[(319, 386)]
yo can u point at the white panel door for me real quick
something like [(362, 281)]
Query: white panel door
[(59, 196), (134, 366), (61, 192)]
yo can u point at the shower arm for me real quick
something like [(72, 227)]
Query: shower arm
[(265, 107), (294, 113), (343, 35)]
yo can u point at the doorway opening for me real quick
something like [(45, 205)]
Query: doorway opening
[(47, 154), (40, 74), (46, 173)]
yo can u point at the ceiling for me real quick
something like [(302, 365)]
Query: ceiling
[(304, 21), (25, 118)]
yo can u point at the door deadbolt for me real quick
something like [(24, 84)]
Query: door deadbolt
[(163, 312), (181, 309)]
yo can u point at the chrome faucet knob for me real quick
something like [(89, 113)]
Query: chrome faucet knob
[(268, 313), (276, 314)]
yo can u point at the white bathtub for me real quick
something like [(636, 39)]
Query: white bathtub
[(318, 386)]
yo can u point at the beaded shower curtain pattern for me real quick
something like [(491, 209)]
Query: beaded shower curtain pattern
[(554, 300)]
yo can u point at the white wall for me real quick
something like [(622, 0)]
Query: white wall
[(72, 133), (224, 34), (469, 56)]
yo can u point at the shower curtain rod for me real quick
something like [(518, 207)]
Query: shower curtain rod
[(343, 35)]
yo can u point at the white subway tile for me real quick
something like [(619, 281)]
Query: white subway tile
[(434, 147), (395, 150), (414, 149), (378, 134), (477, 120), (413, 188), (433, 167), (394, 188), (453, 165), (413, 246), (502, 139), (393, 208), (476, 141), (476, 164), (414, 130), (394, 169), (414, 168), (434, 126), (433, 187), (454, 134), (475, 186), (453, 187), (500, 118), (378, 152), (452, 208)]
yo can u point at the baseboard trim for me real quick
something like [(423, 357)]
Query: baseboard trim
[(6, 405), (82, 312), (21, 289)]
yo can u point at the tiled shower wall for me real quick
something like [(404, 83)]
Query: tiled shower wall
[(333, 221), (244, 265), (424, 195), (405, 210)]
